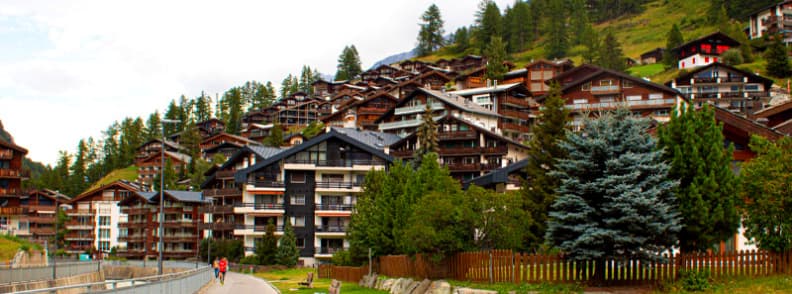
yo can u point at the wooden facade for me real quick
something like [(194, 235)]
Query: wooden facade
[(512, 102), (362, 114), (725, 86), (223, 137), (704, 50), (94, 218), (40, 207), (11, 177)]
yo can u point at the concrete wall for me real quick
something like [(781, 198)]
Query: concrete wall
[(73, 280)]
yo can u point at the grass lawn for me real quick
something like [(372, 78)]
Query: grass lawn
[(8, 249), (646, 70), (128, 173), (742, 285), (522, 288), (286, 281)]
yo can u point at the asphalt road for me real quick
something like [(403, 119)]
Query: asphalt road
[(239, 284)]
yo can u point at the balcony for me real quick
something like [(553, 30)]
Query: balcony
[(6, 154), (459, 167), (705, 80), (79, 237), (79, 212), (10, 191), (77, 247), (255, 228), (182, 223), (495, 150), (328, 251), (75, 225), (603, 90), (416, 109), (132, 238), (516, 102), (133, 224), (459, 150), (402, 153), (515, 127), (651, 103), (182, 238), (373, 110), (337, 185), (271, 209), (136, 211), (225, 174), (490, 166), (335, 207), (457, 135), (225, 192), (217, 209), (336, 163), (11, 210), (515, 114), (224, 226), (42, 231), (42, 219), (13, 173), (406, 123), (331, 229)]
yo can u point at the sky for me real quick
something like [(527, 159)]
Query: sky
[(68, 69)]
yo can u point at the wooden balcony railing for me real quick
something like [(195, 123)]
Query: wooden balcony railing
[(460, 135), (85, 237), (42, 231), (75, 212), (41, 219), (224, 192), (11, 210), (6, 154), (516, 102), (463, 166), (225, 174), (495, 150), (224, 226), (10, 191), (515, 127), (137, 211), (14, 173), (217, 209), (459, 150), (517, 114)]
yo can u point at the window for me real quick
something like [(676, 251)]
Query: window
[(300, 242), (104, 233), (104, 246), (580, 101), (656, 96), (627, 84), (298, 221), (751, 88), (706, 59), (104, 220), (634, 98), (586, 86), (298, 199), (187, 216), (335, 178), (22, 226), (607, 99), (606, 82), (298, 178)]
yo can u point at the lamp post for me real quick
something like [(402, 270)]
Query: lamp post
[(161, 246), (55, 260)]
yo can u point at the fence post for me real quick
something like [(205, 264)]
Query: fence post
[(490, 267)]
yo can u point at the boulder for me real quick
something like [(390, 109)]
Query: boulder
[(411, 287), (422, 287), (473, 291), (439, 287), (387, 284)]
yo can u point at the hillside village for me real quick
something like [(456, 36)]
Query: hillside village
[(297, 166)]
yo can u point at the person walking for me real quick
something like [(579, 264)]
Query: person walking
[(223, 266), (216, 267)]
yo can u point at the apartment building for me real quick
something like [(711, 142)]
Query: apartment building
[(11, 177), (725, 86)]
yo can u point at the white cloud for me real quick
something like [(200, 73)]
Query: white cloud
[(88, 63)]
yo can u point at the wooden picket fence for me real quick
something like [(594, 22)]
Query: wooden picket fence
[(504, 266)]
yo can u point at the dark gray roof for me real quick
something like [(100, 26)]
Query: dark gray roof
[(460, 102), (500, 175), (374, 139), (265, 152), (186, 196)]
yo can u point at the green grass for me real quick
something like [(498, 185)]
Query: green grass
[(128, 173), (741, 285), (521, 288), (9, 245), (646, 70), (287, 282)]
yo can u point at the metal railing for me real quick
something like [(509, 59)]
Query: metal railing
[(189, 281), (62, 270)]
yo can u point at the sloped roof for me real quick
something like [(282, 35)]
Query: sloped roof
[(472, 125), (119, 183), (460, 102), (168, 143), (265, 152), (497, 176), (377, 140), (13, 146), (773, 110), (750, 127), (600, 71), (241, 175), (727, 40), (240, 138), (767, 82), (482, 90), (186, 196)]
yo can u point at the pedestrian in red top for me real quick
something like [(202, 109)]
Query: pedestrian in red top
[(223, 265)]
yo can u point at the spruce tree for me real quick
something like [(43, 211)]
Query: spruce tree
[(557, 41), (611, 55), (538, 191), (348, 64), (517, 32), (778, 60), (288, 253), (496, 56), (579, 21), (489, 23), (692, 142), (592, 44), (430, 37), (615, 200), (286, 87), (427, 132), (461, 40), (673, 40), (268, 247)]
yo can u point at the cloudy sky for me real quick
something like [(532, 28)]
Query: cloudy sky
[(68, 69)]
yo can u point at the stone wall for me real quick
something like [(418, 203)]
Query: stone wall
[(409, 286)]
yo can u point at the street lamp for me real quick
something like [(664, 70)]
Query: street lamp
[(162, 194), (54, 259)]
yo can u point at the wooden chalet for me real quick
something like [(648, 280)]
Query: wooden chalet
[(323, 88), (149, 167), (475, 77), (535, 74), (432, 79), (293, 139), (181, 234), (591, 89), (725, 86), (405, 117), (773, 19), (704, 50), (224, 194), (11, 176), (464, 63), (738, 130), (210, 127), (95, 216), (653, 56), (413, 66), (226, 149), (382, 71), (511, 101), (39, 208), (361, 114), (154, 146), (467, 149), (256, 131), (778, 117), (224, 137)]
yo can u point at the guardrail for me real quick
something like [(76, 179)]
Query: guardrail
[(62, 270), (189, 281)]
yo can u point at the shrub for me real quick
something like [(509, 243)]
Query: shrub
[(732, 57), (343, 258), (693, 280), (250, 259)]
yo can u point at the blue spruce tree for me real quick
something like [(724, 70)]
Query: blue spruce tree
[(615, 199)]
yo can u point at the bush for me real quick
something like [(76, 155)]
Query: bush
[(250, 259), (231, 249), (694, 280), (342, 258), (732, 57)]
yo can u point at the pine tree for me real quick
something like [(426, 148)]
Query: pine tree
[(203, 107), (191, 141), (517, 31), (496, 56), (461, 40), (543, 151), (592, 44), (232, 100), (707, 193), (557, 41), (489, 24), (778, 60), (286, 87), (307, 78), (673, 40), (348, 64), (615, 199), (79, 177), (275, 138), (268, 247), (287, 253), (611, 55), (427, 132), (430, 37), (579, 22), (172, 112)]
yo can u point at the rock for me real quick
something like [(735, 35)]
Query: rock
[(372, 281), (395, 286), (387, 284), (439, 287), (401, 285), (422, 287), (411, 287), (473, 291)]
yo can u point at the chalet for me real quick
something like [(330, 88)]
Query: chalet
[(224, 137), (726, 86), (11, 176), (300, 114), (511, 101), (40, 207), (466, 149), (315, 185), (771, 20), (210, 127), (476, 77), (362, 114), (154, 146), (382, 71), (431, 79), (405, 117), (293, 139), (653, 56), (738, 130), (537, 73), (604, 89), (226, 149), (778, 117), (181, 234), (224, 193), (465, 63), (508, 178), (95, 216), (413, 66), (323, 88), (149, 167), (704, 50)]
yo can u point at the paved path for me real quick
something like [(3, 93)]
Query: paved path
[(236, 283)]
